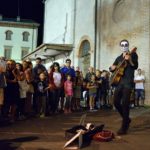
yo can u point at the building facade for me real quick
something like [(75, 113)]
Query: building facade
[(94, 28), (17, 37)]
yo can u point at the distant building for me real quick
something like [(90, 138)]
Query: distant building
[(93, 29), (18, 37)]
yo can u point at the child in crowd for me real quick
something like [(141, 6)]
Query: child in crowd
[(68, 88), (84, 102), (42, 86), (104, 88), (77, 90), (99, 89), (92, 86)]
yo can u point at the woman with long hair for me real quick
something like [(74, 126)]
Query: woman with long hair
[(12, 90), (56, 83)]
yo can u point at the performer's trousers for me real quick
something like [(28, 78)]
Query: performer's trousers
[(122, 103)]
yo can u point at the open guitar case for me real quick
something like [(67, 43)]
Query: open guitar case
[(86, 137)]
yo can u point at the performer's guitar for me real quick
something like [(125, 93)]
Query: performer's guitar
[(119, 71)]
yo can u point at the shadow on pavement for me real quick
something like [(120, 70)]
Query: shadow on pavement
[(9, 144), (4, 122)]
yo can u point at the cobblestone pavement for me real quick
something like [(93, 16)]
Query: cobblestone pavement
[(48, 133)]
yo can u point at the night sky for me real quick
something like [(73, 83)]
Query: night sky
[(28, 9)]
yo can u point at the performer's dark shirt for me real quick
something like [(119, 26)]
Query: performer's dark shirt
[(128, 77)]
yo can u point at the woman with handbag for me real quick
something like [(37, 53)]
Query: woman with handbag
[(27, 68)]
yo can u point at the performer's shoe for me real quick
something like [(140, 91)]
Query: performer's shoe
[(125, 126), (122, 132)]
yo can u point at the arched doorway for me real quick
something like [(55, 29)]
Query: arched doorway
[(84, 56)]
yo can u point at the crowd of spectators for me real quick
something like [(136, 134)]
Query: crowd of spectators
[(27, 90)]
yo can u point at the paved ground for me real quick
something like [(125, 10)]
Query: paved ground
[(48, 133)]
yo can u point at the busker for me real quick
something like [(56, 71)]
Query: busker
[(124, 82)]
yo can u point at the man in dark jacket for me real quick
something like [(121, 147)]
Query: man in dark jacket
[(126, 83), (37, 70)]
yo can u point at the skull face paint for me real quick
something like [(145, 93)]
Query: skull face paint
[(124, 46)]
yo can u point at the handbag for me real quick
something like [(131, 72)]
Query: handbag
[(30, 88)]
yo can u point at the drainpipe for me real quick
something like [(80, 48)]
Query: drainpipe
[(44, 13), (99, 32), (95, 38), (74, 25), (32, 37)]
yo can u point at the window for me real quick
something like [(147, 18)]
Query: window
[(8, 35), (25, 36), (85, 48), (7, 52), (24, 51)]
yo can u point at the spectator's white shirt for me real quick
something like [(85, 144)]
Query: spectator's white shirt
[(141, 84), (57, 78)]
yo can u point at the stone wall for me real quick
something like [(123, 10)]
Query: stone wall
[(125, 19)]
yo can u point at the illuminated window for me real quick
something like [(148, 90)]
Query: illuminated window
[(7, 52), (24, 51), (8, 35), (25, 36)]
